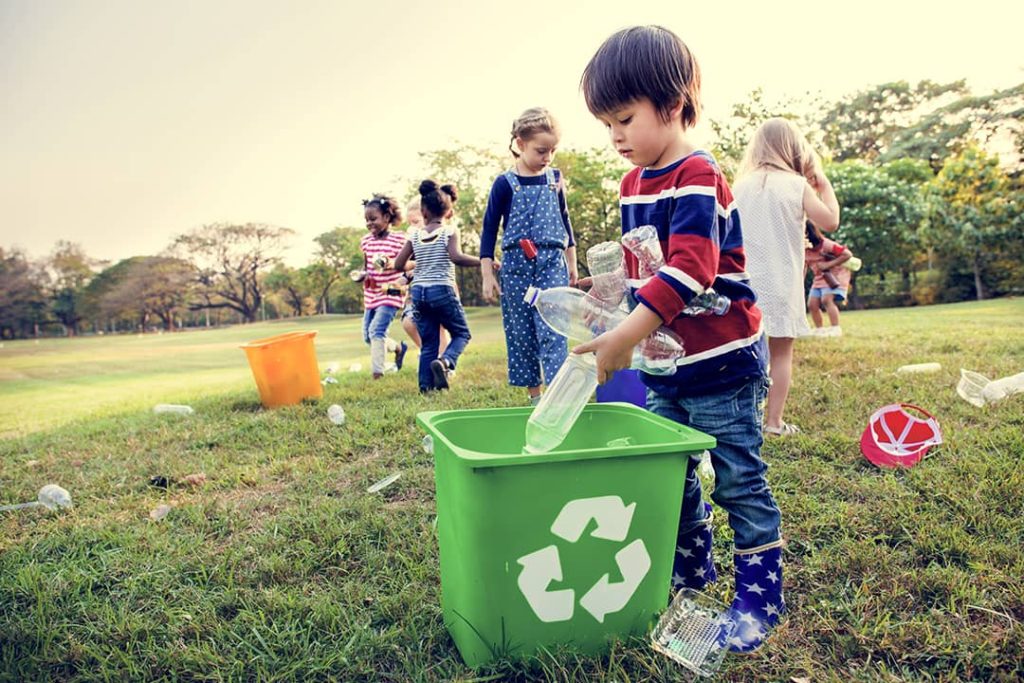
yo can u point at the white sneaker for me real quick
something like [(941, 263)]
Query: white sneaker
[(834, 331)]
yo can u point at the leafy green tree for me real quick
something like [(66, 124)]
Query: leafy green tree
[(864, 125), (229, 261), (733, 134), (150, 286), (71, 271), (592, 196), (951, 128), (22, 295), (882, 208), (290, 284), (337, 254), (973, 210)]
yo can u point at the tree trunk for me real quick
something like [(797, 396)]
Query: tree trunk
[(978, 286)]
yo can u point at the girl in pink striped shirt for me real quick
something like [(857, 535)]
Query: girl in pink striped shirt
[(383, 285)]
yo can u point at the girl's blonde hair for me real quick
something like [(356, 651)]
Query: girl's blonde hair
[(532, 121), (779, 144)]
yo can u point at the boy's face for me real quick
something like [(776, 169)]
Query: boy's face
[(641, 135), (537, 152)]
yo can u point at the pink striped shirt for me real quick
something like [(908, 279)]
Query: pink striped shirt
[(389, 245)]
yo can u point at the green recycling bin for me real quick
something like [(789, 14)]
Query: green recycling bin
[(568, 548)]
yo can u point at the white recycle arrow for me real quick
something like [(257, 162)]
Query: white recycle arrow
[(613, 518), (540, 568), (605, 597)]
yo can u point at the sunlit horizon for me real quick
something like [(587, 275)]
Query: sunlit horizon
[(127, 123)]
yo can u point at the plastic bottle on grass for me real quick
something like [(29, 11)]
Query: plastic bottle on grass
[(579, 316), (562, 403), (336, 414), (172, 409)]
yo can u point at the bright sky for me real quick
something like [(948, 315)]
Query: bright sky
[(125, 122)]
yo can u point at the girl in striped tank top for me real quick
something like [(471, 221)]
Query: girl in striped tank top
[(435, 248)]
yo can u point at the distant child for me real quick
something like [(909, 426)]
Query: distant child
[(831, 280), (382, 284), (435, 248), (644, 86), (538, 246), (780, 180)]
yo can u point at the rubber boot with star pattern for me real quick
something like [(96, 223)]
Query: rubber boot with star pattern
[(693, 564), (758, 603)]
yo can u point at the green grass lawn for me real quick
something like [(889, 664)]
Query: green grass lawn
[(281, 566)]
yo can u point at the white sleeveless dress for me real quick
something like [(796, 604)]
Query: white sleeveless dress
[(771, 207)]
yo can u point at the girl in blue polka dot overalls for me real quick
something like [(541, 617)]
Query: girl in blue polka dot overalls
[(537, 246)]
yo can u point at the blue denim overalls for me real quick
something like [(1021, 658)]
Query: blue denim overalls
[(532, 345)]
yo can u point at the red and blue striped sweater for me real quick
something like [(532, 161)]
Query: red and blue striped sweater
[(691, 205)]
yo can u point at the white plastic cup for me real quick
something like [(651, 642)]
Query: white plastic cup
[(336, 414)]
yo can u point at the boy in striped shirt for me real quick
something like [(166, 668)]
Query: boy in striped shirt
[(644, 85)]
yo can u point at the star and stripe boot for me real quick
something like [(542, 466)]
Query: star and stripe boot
[(693, 564), (758, 603)]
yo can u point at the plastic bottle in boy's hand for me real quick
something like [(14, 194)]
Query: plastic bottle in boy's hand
[(580, 316), (607, 274), (562, 403)]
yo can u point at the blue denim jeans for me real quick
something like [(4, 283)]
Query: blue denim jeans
[(733, 417), (376, 322), (434, 307)]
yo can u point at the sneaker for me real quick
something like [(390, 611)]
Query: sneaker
[(439, 369), (834, 331), (400, 354)]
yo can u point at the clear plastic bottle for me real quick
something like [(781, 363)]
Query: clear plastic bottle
[(562, 403), (707, 303), (643, 243), (580, 316), (172, 408), (607, 272)]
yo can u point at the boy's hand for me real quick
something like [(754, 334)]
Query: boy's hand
[(613, 353)]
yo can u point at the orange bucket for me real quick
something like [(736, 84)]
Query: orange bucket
[(285, 369)]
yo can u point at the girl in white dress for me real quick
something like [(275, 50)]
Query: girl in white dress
[(778, 189)]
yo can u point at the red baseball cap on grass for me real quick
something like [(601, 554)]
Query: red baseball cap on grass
[(896, 438)]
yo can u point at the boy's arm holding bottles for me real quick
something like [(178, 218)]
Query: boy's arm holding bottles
[(614, 348)]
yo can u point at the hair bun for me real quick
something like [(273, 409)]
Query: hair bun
[(451, 191), (428, 186)]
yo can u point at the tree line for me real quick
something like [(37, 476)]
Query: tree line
[(929, 177)]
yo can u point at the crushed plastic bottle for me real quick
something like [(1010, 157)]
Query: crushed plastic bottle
[(428, 444), (710, 302), (560, 406), (854, 264), (643, 243), (607, 274), (336, 414), (384, 483), (172, 409), (51, 497), (580, 316)]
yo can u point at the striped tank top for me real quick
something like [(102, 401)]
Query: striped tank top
[(430, 251)]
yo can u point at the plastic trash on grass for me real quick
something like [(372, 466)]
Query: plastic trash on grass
[(918, 368), (51, 497), (979, 390), (172, 409), (694, 632), (384, 483), (336, 414)]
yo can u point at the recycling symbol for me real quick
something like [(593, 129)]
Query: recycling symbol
[(543, 566)]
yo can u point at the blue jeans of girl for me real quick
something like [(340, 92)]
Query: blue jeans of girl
[(434, 307)]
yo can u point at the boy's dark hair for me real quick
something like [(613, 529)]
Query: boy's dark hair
[(387, 206), (643, 62), (436, 201)]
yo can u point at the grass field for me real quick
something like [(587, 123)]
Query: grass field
[(279, 566)]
